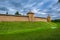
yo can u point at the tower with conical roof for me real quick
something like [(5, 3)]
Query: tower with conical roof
[(30, 16), (48, 18)]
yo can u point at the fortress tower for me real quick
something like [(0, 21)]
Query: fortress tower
[(31, 16), (48, 18)]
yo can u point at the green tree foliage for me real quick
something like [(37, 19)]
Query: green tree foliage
[(56, 20), (6, 13), (58, 1), (17, 13)]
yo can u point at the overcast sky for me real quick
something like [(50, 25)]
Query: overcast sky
[(41, 8)]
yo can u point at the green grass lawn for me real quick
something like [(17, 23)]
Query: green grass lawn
[(58, 24), (29, 31)]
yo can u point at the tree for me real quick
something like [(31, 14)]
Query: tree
[(17, 13), (58, 1), (56, 20), (6, 13)]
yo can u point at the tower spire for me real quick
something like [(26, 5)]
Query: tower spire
[(48, 18), (30, 15)]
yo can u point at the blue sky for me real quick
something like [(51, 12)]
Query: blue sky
[(41, 8)]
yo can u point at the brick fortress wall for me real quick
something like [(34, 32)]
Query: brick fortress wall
[(29, 17)]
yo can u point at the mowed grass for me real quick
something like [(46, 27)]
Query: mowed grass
[(58, 24), (29, 31)]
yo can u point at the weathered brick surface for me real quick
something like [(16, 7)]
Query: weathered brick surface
[(20, 18), (40, 19), (13, 18)]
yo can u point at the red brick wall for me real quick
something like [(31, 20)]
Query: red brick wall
[(40, 19), (20, 18), (13, 18)]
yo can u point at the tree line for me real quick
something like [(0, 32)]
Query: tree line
[(56, 20), (17, 13)]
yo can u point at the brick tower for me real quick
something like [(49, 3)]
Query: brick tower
[(48, 18), (30, 15)]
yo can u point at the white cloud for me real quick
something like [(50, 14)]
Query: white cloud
[(35, 10), (45, 10), (40, 4), (54, 16), (38, 12), (29, 5), (2, 12), (10, 9), (21, 10), (43, 13)]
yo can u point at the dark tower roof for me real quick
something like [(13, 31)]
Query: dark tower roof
[(48, 16), (30, 12)]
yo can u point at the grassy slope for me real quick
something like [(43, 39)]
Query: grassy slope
[(29, 31), (58, 24)]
